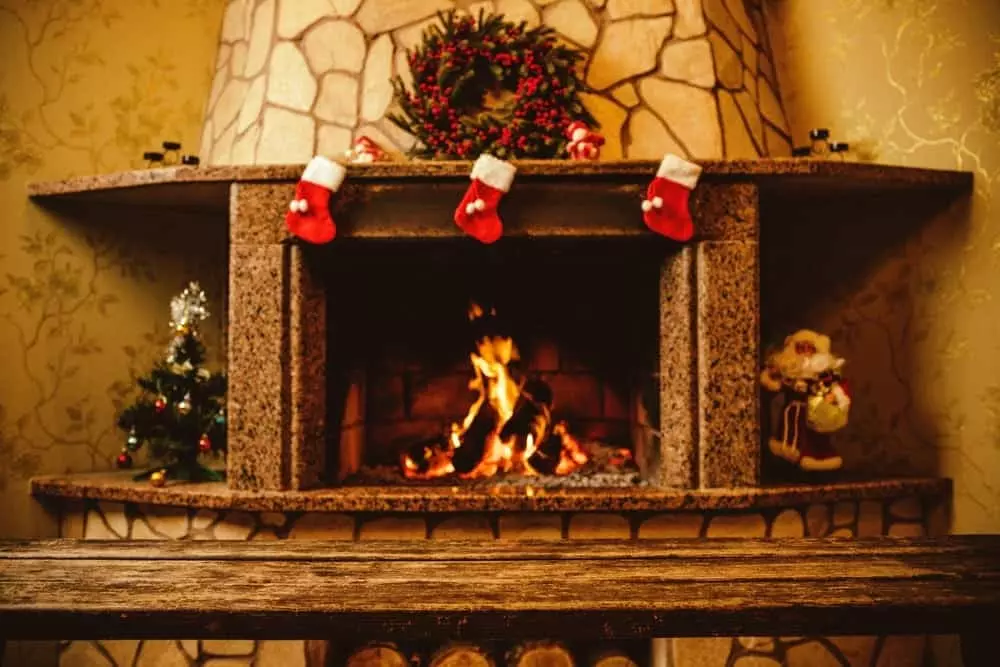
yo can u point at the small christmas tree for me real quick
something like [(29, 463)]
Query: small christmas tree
[(181, 412)]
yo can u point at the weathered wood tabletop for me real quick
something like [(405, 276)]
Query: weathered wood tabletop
[(64, 589)]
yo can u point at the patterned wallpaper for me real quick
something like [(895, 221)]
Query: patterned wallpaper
[(913, 82), (86, 87)]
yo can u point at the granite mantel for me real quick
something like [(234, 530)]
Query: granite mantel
[(208, 187)]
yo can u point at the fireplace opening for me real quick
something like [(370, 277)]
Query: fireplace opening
[(524, 363)]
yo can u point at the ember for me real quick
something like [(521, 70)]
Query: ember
[(509, 427)]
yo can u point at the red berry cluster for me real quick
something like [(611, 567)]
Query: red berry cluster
[(456, 68)]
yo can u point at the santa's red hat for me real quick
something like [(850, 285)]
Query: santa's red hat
[(574, 126)]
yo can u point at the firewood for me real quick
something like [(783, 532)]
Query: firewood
[(461, 655), (613, 658), (531, 412), (474, 439), (383, 655), (541, 654)]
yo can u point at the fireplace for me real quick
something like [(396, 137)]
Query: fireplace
[(350, 363), (521, 361)]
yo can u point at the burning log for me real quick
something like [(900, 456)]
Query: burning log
[(461, 655), (471, 445), (377, 656), (426, 459), (541, 654), (559, 454), (508, 428), (528, 426)]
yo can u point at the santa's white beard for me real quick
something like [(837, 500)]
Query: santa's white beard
[(804, 367)]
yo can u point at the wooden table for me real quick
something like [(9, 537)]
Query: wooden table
[(67, 589)]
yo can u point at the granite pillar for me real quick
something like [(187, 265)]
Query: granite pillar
[(727, 332), (277, 331), (676, 452)]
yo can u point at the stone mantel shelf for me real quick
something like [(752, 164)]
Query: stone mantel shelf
[(119, 487), (207, 188)]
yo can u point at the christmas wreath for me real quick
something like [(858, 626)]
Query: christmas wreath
[(490, 85)]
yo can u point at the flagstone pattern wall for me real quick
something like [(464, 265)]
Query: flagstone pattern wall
[(299, 77), (905, 516)]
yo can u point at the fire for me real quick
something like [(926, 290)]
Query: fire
[(508, 428)]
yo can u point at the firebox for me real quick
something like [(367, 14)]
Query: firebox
[(581, 349), (523, 362)]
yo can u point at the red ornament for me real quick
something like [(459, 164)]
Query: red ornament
[(584, 143), (160, 405), (365, 151), (204, 444), (124, 460)]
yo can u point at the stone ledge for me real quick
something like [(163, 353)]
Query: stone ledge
[(119, 487), (209, 186)]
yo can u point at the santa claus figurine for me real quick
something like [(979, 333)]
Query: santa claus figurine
[(816, 401), (584, 143), (364, 151)]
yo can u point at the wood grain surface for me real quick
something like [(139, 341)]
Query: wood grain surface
[(66, 589)]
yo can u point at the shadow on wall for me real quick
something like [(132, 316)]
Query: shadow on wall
[(843, 267)]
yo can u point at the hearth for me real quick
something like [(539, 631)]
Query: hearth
[(517, 363)]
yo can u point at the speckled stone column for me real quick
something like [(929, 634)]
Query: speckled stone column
[(678, 420), (728, 334), (277, 350)]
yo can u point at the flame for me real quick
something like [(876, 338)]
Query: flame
[(501, 394)]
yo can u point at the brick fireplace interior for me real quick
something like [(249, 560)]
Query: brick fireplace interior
[(584, 320)]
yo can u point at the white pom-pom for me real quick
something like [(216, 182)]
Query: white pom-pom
[(470, 208), (647, 206), (303, 206), (657, 202), (479, 204), (293, 206)]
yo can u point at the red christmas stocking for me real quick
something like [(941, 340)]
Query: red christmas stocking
[(665, 208), (477, 212), (308, 214)]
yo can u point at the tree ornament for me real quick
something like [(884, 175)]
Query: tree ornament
[(365, 151), (220, 418), (161, 404), (490, 85), (184, 406), (204, 443), (132, 442), (187, 309), (124, 460), (158, 478), (584, 143)]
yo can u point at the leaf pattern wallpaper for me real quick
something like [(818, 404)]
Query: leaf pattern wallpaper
[(912, 82), (86, 86)]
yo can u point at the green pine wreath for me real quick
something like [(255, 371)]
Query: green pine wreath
[(490, 85)]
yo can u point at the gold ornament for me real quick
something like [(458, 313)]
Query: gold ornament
[(158, 478)]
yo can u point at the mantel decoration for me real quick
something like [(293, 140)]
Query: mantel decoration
[(181, 412), (490, 85), (816, 401)]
